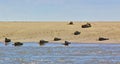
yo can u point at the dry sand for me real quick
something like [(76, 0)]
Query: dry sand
[(35, 31)]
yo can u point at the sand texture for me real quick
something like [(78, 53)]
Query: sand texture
[(35, 31)]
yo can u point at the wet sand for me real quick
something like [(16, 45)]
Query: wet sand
[(35, 31)]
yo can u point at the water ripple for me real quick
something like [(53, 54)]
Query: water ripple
[(59, 54)]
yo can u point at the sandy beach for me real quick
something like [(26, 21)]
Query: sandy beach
[(35, 31)]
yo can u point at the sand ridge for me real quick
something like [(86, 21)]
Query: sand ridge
[(35, 31)]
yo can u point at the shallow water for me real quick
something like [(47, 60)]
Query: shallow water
[(51, 53)]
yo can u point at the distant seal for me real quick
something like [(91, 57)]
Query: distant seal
[(18, 44), (86, 25), (77, 33), (70, 23), (42, 42), (7, 40), (57, 39), (102, 39), (66, 43)]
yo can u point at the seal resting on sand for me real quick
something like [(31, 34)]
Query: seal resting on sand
[(42, 42), (57, 39), (86, 25), (70, 23), (102, 39), (77, 33)]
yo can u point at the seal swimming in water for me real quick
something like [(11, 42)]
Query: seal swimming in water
[(7, 41), (18, 44), (66, 43)]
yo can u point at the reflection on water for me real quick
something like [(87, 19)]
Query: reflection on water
[(32, 53)]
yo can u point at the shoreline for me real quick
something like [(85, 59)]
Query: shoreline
[(35, 31)]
